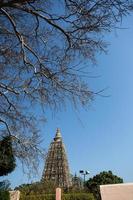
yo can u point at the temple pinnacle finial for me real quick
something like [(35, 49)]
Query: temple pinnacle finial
[(58, 134)]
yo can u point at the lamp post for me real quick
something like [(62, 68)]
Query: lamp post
[(84, 173)]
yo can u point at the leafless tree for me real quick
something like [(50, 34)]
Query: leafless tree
[(42, 46)]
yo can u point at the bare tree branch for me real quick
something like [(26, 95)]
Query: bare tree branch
[(43, 49)]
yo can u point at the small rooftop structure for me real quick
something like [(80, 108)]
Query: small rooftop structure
[(123, 191), (77, 182)]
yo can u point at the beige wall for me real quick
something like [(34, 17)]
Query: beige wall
[(14, 195), (117, 191)]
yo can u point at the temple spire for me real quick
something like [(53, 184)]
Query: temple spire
[(58, 135), (56, 166)]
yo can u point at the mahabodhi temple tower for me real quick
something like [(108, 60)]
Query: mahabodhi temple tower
[(56, 166)]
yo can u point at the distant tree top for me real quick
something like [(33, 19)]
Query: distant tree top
[(103, 178)]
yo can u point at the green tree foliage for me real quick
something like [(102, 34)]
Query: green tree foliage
[(4, 195), (37, 188), (7, 159), (4, 187), (71, 196), (78, 196), (103, 178)]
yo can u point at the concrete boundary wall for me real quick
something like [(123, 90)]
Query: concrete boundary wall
[(122, 191)]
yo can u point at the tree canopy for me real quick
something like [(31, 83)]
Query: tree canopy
[(93, 184), (4, 190), (7, 158), (43, 44), (47, 187)]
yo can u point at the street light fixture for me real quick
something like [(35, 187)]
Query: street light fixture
[(84, 173)]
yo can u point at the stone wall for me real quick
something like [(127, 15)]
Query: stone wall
[(14, 195)]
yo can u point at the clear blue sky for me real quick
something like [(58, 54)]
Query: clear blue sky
[(100, 138)]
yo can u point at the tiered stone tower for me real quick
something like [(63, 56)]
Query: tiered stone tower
[(56, 165)]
